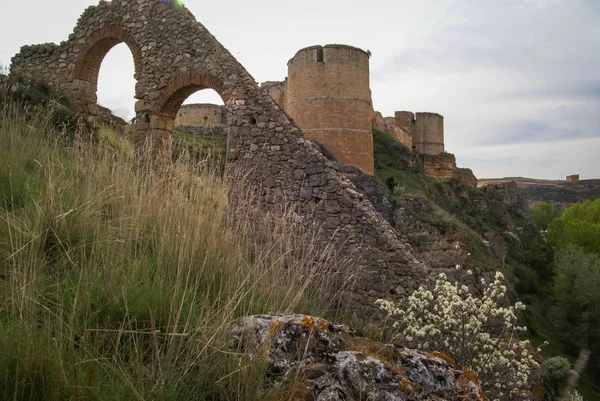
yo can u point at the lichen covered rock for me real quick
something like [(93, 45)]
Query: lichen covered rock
[(318, 354)]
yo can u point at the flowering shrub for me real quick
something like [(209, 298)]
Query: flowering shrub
[(575, 396), (477, 332)]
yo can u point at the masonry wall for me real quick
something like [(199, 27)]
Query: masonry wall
[(201, 115), (278, 91), (330, 99), (426, 130)]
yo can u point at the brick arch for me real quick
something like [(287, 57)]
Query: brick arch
[(173, 96), (97, 45)]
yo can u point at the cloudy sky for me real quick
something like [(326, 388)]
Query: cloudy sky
[(517, 81)]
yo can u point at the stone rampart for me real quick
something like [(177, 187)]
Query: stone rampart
[(201, 115), (174, 57)]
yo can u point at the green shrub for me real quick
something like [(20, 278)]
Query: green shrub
[(544, 214), (557, 371)]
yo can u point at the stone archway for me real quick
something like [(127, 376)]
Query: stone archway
[(174, 56), (86, 67), (161, 120)]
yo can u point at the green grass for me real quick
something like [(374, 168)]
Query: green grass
[(120, 281)]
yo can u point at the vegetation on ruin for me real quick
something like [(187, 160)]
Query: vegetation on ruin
[(119, 283), (545, 271)]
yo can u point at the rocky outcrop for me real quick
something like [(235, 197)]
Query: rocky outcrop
[(507, 195), (439, 250), (465, 176), (440, 167), (319, 355)]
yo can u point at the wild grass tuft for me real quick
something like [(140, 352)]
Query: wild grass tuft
[(120, 283)]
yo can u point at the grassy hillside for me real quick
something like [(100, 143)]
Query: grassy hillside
[(119, 282)]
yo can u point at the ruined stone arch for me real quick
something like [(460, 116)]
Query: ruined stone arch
[(86, 67), (97, 46), (173, 96), (174, 56)]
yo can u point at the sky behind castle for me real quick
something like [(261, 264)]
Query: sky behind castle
[(518, 81)]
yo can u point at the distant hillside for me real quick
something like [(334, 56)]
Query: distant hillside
[(562, 193)]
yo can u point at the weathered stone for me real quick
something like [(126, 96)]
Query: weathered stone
[(317, 351)]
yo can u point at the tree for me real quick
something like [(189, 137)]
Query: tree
[(544, 214), (579, 225), (577, 300)]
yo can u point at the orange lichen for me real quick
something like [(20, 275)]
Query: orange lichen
[(319, 326), (449, 360), (405, 384), (468, 381)]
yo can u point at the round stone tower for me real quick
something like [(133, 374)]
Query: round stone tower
[(330, 98), (429, 133)]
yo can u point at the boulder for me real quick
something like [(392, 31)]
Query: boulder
[(334, 366)]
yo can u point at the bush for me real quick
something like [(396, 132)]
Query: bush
[(544, 214), (575, 396), (557, 370), (477, 332), (578, 225), (577, 301)]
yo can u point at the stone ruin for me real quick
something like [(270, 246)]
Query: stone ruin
[(327, 93), (175, 56)]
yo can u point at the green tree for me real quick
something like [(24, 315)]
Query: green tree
[(579, 225), (577, 296), (544, 214)]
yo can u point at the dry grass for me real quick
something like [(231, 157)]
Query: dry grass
[(119, 282)]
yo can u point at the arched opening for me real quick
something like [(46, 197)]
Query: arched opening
[(116, 83), (91, 57), (200, 127)]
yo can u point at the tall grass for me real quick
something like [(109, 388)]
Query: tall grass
[(120, 283)]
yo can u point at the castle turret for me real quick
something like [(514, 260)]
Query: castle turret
[(426, 130), (330, 99)]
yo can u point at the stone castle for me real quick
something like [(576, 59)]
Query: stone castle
[(327, 92)]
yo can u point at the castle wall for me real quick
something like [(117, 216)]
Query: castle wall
[(329, 97), (400, 134), (278, 91), (201, 115), (429, 128), (266, 153), (425, 129)]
